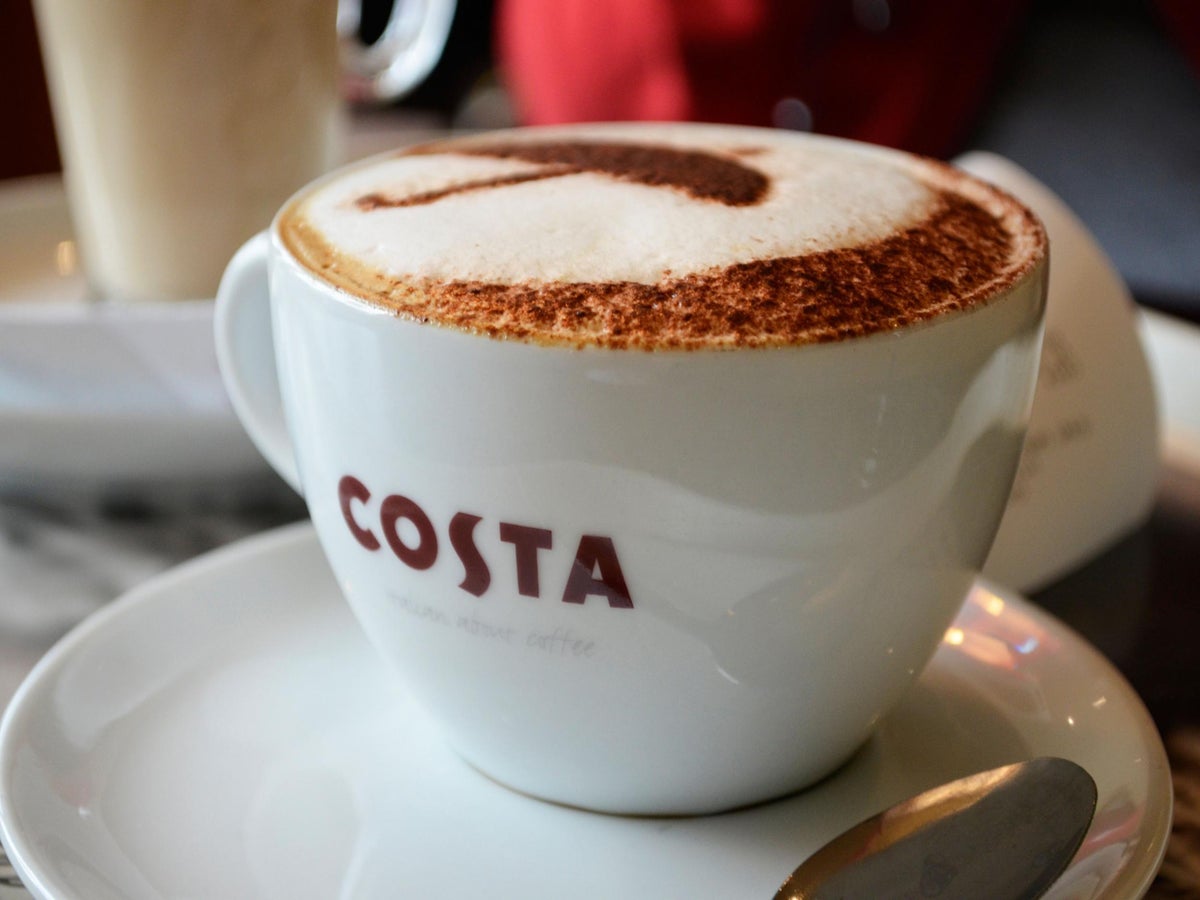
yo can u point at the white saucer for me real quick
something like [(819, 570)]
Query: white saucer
[(99, 398), (1173, 350), (225, 731), (96, 396)]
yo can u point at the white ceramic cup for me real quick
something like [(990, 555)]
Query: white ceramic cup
[(639, 582)]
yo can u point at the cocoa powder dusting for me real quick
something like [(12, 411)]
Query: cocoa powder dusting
[(701, 175), (934, 267), (374, 200), (956, 257)]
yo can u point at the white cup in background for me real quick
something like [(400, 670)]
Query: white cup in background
[(1090, 467)]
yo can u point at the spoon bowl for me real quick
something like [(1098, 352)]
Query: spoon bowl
[(1006, 833)]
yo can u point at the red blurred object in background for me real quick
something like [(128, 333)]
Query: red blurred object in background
[(915, 74), (906, 73)]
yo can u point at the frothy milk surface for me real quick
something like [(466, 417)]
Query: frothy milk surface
[(661, 236)]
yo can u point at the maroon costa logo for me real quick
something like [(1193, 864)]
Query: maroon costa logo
[(595, 571)]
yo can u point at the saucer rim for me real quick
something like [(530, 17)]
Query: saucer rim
[(1136, 872)]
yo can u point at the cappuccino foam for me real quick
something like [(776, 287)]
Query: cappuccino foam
[(662, 236)]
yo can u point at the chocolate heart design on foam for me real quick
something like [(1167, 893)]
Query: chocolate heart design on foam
[(700, 175)]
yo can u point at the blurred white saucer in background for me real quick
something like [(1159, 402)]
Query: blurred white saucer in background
[(100, 399), (97, 397)]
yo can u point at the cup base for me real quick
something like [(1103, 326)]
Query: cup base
[(623, 802)]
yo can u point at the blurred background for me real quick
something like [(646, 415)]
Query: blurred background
[(1099, 100)]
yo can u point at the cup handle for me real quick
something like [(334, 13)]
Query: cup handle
[(406, 52), (246, 355)]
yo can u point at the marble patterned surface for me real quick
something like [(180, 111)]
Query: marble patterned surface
[(60, 561)]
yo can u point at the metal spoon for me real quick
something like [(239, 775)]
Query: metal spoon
[(1004, 834)]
